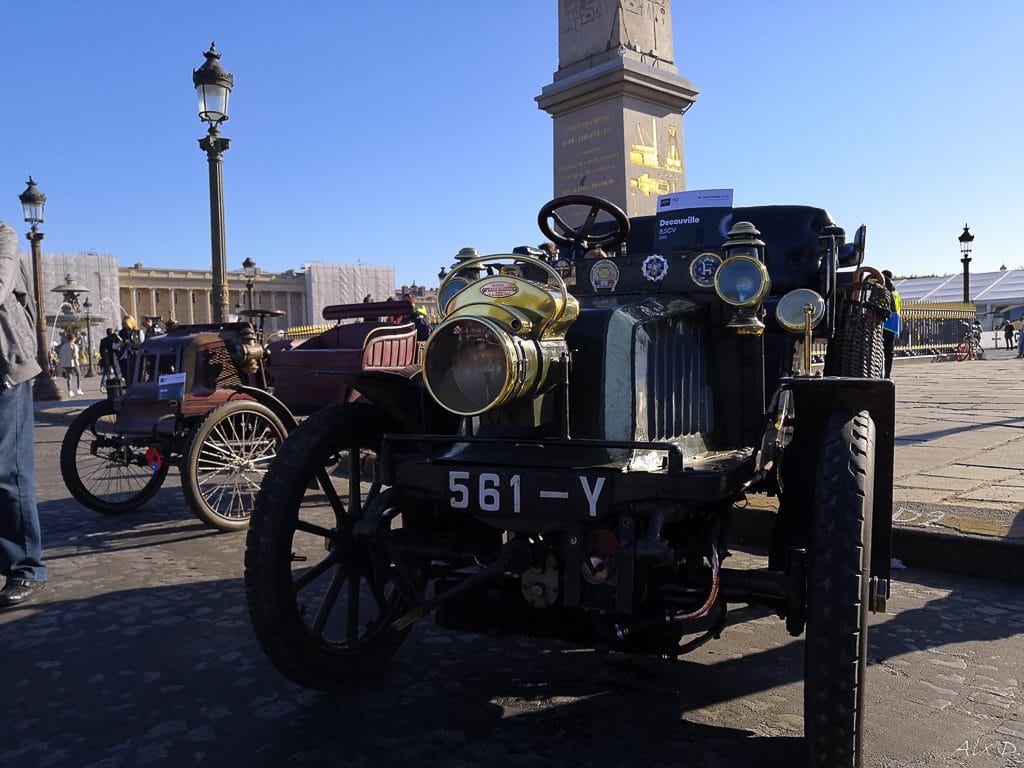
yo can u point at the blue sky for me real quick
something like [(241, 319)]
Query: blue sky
[(397, 133)]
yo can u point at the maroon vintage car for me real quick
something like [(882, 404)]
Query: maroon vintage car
[(216, 400)]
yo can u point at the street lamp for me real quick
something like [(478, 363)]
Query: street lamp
[(32, 202), (966, 238), (87, 305), (249, 268), (213, 85)]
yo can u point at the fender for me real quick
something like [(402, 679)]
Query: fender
[(815, 399), (401, 395), (265, 398)]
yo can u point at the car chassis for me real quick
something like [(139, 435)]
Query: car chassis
[(563, 467)]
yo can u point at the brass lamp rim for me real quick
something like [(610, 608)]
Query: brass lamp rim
[(762, 291), (503, 336)]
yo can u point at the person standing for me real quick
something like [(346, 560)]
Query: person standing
[(129, 336), (1008, 333), (108, 357), (21, 552), (893, 325), (68, 354)]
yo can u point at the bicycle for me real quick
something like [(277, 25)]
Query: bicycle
[(970, 348)]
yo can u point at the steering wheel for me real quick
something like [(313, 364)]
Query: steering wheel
[(582, 238), (261, 315)]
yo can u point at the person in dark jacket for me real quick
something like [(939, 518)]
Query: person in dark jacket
[(109, 347), (1008, 333), (21, 553)]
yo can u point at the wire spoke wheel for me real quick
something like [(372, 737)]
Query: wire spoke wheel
[(226, 458), (102, 468), (323, 599)]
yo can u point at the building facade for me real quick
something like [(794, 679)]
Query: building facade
[(185, 295)]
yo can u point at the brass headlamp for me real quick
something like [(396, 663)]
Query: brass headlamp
[(500, 335)]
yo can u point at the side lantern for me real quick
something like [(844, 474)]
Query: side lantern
[(742, 280)]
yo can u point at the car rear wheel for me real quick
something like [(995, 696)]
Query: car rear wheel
[(322, 600), (226, 457), (837, 592), (104, 470)]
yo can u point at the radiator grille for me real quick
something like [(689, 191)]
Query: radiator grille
[(219, 371), (679, 400)]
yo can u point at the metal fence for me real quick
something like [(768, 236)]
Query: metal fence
[(932, 327)]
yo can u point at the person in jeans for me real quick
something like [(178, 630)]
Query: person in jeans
[(20, 535)]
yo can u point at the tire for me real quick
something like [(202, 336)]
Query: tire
[(225, 460), (102, 468), (837, 592), (295, 585)]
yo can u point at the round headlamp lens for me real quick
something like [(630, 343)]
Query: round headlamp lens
[(742, 281), (466, 366)]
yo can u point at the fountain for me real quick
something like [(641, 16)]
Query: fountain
[(69, 317)]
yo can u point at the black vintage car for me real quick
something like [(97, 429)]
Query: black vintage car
[(569, 458)]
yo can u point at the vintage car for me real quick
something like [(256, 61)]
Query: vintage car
[(570, 459), (216, 400)]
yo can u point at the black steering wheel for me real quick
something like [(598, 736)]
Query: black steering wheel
[(261, 315), (582, 238)]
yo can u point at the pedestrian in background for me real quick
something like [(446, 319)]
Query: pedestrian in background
[(68, 354), (21, 551), (893, 325), (130, 340), (1008, 333), (108, 357)]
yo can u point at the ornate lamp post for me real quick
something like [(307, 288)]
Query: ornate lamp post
[(32, 202), (966, 238), (213, 85), (87, 306), (249, 268)]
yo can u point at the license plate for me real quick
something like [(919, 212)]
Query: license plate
[(533, 493)]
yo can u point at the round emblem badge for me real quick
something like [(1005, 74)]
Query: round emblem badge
[(604, 275), (703, 268), (499, 289), (655, 267)]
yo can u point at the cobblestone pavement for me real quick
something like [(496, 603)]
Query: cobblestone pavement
[(140, 653)]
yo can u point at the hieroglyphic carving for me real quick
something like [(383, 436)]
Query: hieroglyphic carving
[(576, 13), (590, 27)]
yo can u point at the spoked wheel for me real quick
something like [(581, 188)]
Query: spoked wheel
[(225, 461), (104, 470), (322, 598), (837, 586)]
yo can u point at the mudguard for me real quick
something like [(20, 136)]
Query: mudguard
[(401, 395)]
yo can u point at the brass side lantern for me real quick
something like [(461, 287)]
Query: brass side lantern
[(742, 280)]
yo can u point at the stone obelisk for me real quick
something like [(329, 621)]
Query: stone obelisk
[(617, 101)]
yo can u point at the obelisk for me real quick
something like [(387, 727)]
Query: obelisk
[(617, 101)]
